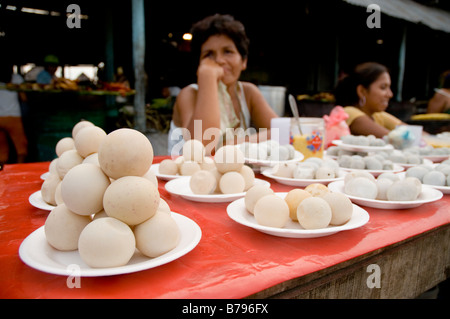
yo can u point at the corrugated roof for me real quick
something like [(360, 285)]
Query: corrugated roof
[(411, 11)]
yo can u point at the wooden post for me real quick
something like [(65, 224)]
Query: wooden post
[(138, 38), (111, 111), (401, 67)]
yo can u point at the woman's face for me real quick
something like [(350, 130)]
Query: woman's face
[(222, 50), (379, 93)]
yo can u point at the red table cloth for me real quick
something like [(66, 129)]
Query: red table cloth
[(230, 261)]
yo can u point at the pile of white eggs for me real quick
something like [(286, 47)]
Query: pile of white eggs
[(310, 168), (370, 162), (387, 186), (403, 157), (226, 173), (193, 159), (436, 175), (107, 208), (269, 150), (314, 207), (362, 140), (429, 151), (395, 156)]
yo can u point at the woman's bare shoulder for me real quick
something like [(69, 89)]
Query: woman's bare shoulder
[(189, 90), (249, 87)]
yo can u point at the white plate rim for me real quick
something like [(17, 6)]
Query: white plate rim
[(397, 169), (431, 195), (435, 158), (236, 210), (361, 148), (298, 156), (155, 169), (443, 189), (190, 237), (37, 201), (299, 182), (174, 185), (425, 162), (45, 175)]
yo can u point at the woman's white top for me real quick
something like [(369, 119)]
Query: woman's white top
[(228, 119)]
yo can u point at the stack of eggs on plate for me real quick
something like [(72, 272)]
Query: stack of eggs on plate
[(381, 160), (429, 150), (107, 209), (387, 186), (370, 162), (314, 207), (192, 160), (362, 140), (269, 150), (225, 174), (437, 175), (310, 168)]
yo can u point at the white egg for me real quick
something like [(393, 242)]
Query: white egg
[(361, 187), (83, 187), (66, 161), (249, 176), (64, 144), (272, 211), (131, 199), (232, 183), (48, 188), (88, 140), (63, 228), (80, 125), (314, 213), (157, 235), (125, 152), (229, 158), (168, 167), (254, 194), (194, 150), (106, 242), (203, 182), (341, 208)]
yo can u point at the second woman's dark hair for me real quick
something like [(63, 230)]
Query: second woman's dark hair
[(364, 74), (219, 25)]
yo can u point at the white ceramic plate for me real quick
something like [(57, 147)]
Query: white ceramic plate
[(45, 175), (428, 195), (37, 201), (37, 253), (299, 182), (406, 166), (443, 189), (256, 162), (180, 186), (360, 148), (436, 158), (397, 169), (237, 212), (155, 169)]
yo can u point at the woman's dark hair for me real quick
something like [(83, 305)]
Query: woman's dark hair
[(364, 74), (219, 25), (446, 80)]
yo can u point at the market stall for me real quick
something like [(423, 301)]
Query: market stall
[(407, 247), (50, 111)]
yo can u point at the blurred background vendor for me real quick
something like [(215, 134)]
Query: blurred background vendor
[(440, 102), (11, 127), (46, 76), (365, 95)]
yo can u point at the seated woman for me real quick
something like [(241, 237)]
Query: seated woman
[(219, 101), (440, 102), (365, 95)]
